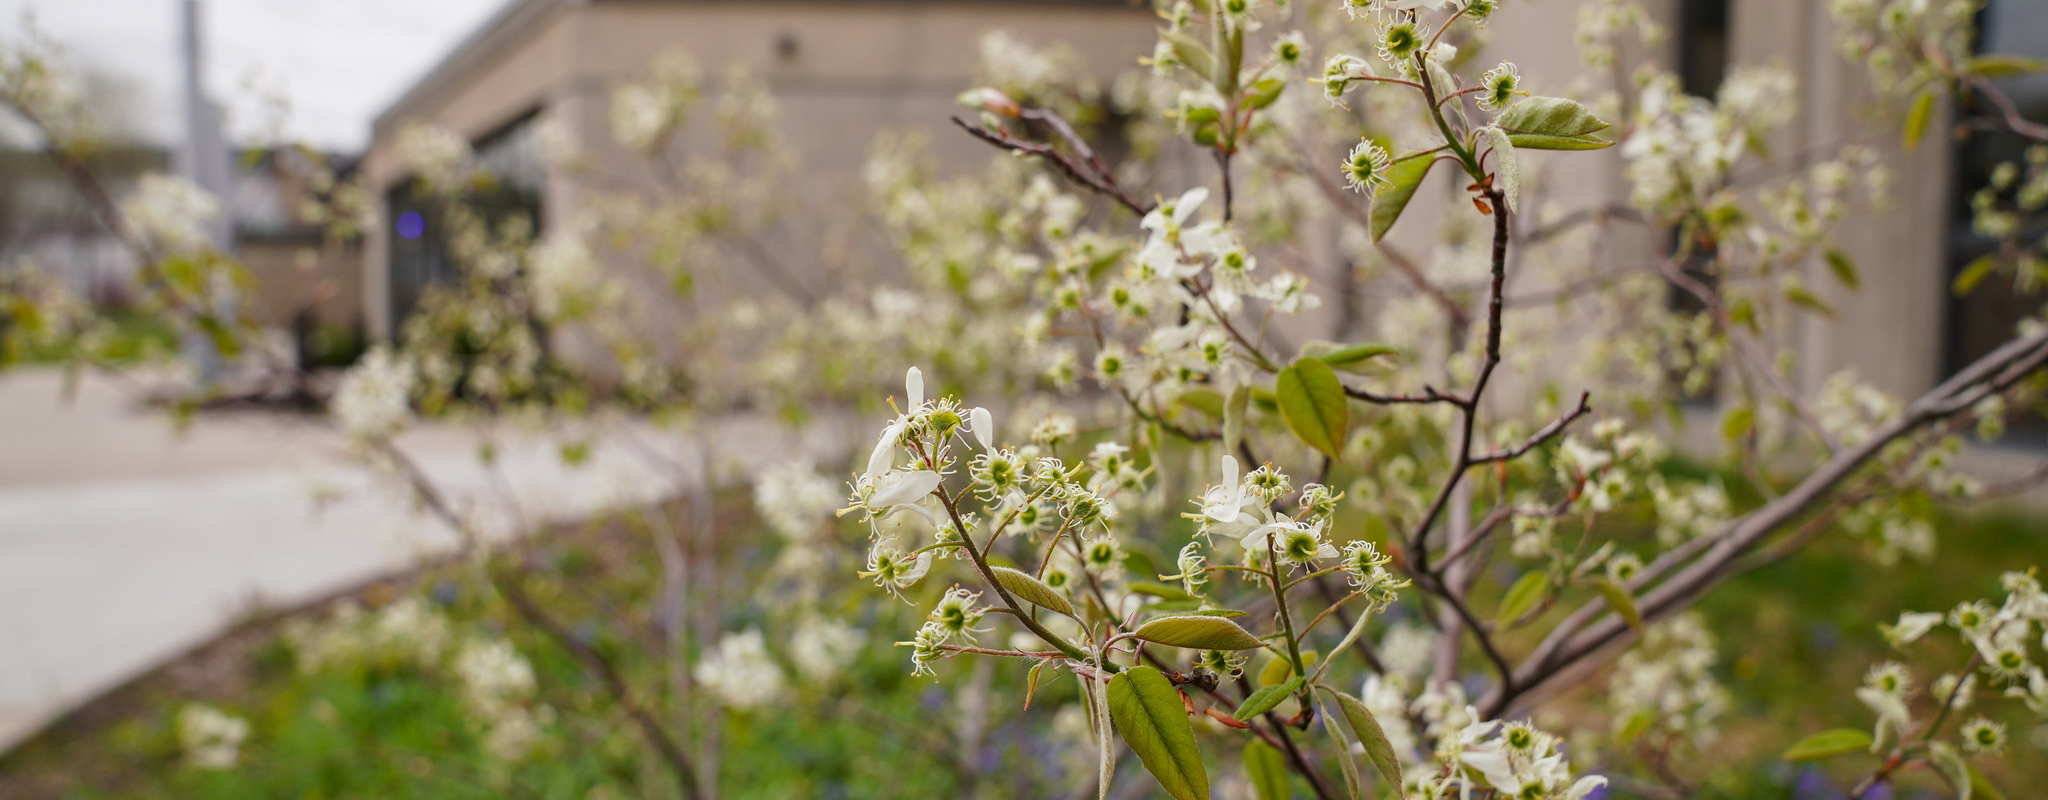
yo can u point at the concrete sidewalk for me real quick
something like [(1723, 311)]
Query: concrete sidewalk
[(124, 543)]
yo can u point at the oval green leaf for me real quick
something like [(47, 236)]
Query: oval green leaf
[(1266, 699), (1267, 770), (1507, 169), (1032, 590), (1341, 356), (1148, 714), (1198, 633), (1622, 603), (1190, 52), (1313, 404), (1368, 729), (1550, 116), (1537, 141), (1388, 201), (2002, 65), (1828, 744), (1916, 118), (1527, 591), (1233, 416), (1952, 767), (1844, 269)]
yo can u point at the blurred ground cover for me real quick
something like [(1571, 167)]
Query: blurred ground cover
[(376, 693)]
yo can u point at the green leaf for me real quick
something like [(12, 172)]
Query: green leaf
[(1527, 591), (1198, 633), (1916, 118), (1550, 116), (1507, 171), (1233, 416), (1368, 729), (1738, 423), (1029, 589), (1264, 92), (1267, 770), (1148, 713), (1266, 699), (1403, 178), (1952, 767), (1031, 688), (1313, 404), (1799, 296), (1844, 269), (222, 337), (1973, 274), (1278, 669), (1636, 725), (1982, 788), (1828, 744), (2002, 65), (1351, 787), (1190, 52), (1538, 141), (1215, 612), (1342, 356), (1159, 590), (1207, 401), (1618, 598)]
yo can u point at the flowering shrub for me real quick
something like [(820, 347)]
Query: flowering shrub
[(1138, 465)]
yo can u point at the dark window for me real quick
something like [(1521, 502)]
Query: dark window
[(1702, 45), (1985, 318), (518, 174), (1702, 64)]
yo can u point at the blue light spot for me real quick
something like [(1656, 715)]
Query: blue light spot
[(410, 225)]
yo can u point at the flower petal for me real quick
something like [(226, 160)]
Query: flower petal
[(899, 488), (984, 425)]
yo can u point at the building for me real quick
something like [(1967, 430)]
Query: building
[(840, 73), (843, 71)]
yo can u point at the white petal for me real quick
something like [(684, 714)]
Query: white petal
[(1230, 471), (913, 386), (1186, 205), (884, 455), (904, 487), (1585, 787), (984, 425)]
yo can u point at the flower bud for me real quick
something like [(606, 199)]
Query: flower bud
[(988, 99)]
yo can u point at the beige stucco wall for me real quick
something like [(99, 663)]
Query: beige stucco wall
[(857, 70), (862, 68)]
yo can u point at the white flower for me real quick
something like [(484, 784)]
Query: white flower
[(956, 614), (374, 398), (902, 488), (983, 425), (211, 739), (494, 676), (1981, 735), (1223, 504), (1911, 627), (1170, 215), (437, 154), (884, 455), (563, 276), (1365, 169), (893, 569), (913, 388), (170, 212), (740, 672), (1499, 86), (794, 500), (823, 648)]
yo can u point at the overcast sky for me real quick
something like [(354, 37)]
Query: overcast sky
[(340, 62)]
